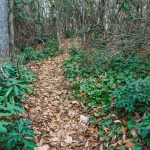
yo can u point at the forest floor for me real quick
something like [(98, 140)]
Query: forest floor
[(55, 119)]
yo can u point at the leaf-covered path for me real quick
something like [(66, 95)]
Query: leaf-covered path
[(55, 119)]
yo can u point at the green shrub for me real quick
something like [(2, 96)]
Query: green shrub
[(14, 132), (18, 82), (73, 64), (143, 129), (81, 32), (133, 95), (119, 85), (31, 55), (51, 48), (18, 72), (95, 91), (69, 34), (18, 136)]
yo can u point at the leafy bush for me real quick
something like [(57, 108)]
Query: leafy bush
[(18, 72), (29, 54), (73, 64), (133, 95), (51, 48), (143, 129), (81, 32), (95, 91), (69, 34), (119, 85), (98, 61), (14, 132), (18, 136)]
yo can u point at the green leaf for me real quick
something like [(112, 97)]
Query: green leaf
[(29, 144), (2, 138), (11, 99), (101, 132), (19, 109), (119, 132), (20, 125), (3, 128), (30, 133), (14, 108), (9, 91), (137, 147), (111, 148), (16, 90), (5, 114), (122, 148), (2, 98)]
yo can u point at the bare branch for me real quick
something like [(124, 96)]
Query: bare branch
[(3, 74)]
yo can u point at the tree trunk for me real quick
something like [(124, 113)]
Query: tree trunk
[(59, 31), (11, 29), (4, 37)]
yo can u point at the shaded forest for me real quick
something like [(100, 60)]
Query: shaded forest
[(90, 59)]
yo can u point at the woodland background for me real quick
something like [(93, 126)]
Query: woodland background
[(108, 65), (110, 23)]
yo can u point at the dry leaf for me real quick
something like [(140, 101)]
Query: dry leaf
[(84, 120), (72, 113), (129, 144), (117, 121), (133, 132), (114, 145), (45, 147), (68, 140), (75, 102), (55, 139), (137, 118), (87, 144), (105, 129), (49, 108), (101, 147)]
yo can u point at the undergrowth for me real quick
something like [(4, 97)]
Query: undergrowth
[(49, 49), (15, 85), (119, 86)]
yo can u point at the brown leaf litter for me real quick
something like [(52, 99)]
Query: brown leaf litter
[(55, 119)]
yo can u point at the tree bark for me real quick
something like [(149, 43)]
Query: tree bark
[(4, 37), (11, 29), (58, 25)]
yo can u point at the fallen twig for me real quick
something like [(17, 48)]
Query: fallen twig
[(3, 74)]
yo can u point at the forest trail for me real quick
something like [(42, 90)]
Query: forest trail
[(55, 119)]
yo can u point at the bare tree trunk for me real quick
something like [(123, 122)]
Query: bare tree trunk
[(11, 28), (58, 32), (4, 38)]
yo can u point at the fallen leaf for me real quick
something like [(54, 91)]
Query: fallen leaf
[(68, 140), (129, 144), (87, 144), (137, 117), (49, 109), (55, 139), (133, 132), (105, 129), (45, 147), (75, 102), (101, 147), (84, 120), (117, 121), (114, 145), (72, 113)]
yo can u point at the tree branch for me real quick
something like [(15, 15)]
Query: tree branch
[(3, 74)]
